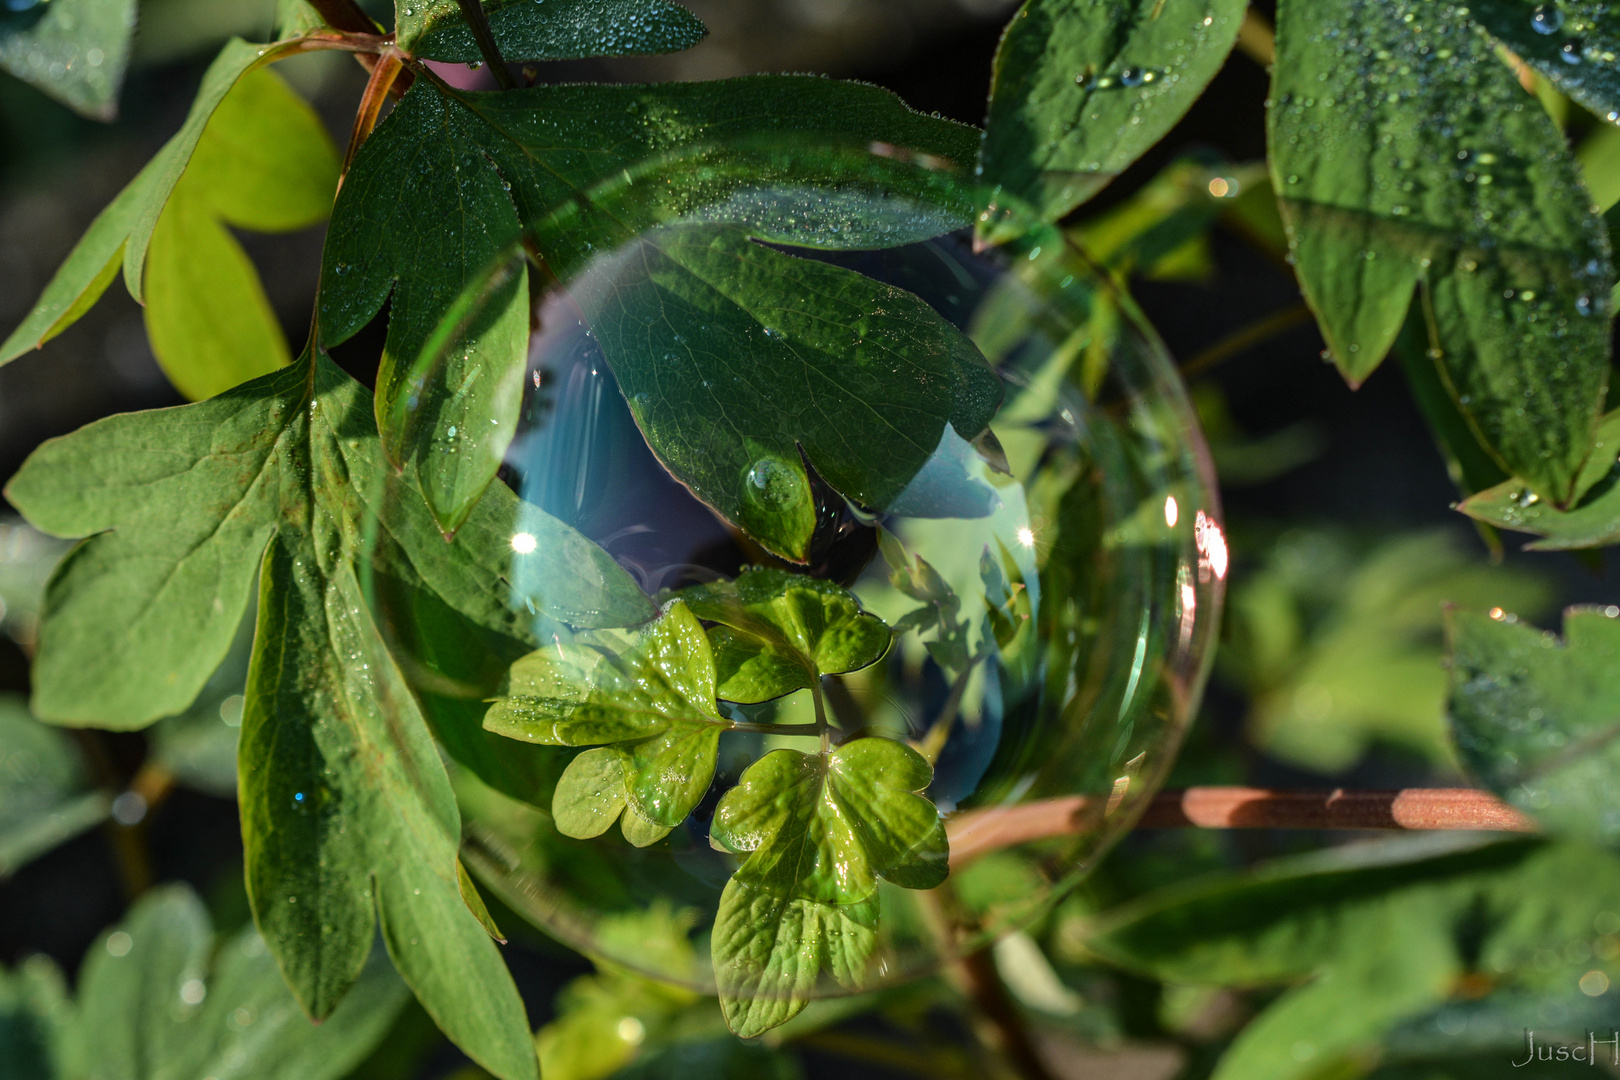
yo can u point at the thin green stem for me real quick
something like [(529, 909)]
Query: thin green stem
[(822, 727), (803, 731), (473, 12)]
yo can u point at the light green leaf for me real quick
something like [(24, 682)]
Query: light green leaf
[(1081, 89), (780, 632), (1483, 209), (649, 696), (122, 234), (1571, 42), (552, 30), (266, 163), (150, 1007), (45, 797), (296, 17), (1592, 521), (820, 831), (482, 167), (76, 51), (346, 806), (1537, 719)]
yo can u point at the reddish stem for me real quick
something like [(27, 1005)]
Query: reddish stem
[(344, 15), (977, 831)]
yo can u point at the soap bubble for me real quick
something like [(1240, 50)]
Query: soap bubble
[(783, 356)]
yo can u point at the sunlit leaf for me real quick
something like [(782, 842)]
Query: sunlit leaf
[(819, 830), (1081, 90), (1408, 159), (780, 632), (647, 697), (1593, 520), (74, 50)]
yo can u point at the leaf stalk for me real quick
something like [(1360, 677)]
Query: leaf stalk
[(478, 22)]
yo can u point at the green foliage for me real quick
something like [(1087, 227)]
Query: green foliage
[(44, 793), (1081, 90), (264, 163), (1592, 520), (1339, 648), (560, 30), (156, 1000), (819, 830), (76, 51), (1483, 214), (1572, 43), (1534, 717), (780, 632), (1385, 934), (508, 162)]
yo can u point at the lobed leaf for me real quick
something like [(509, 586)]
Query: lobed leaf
[(1536, 718), (1571, 42), (648, 695), (780, 632), (1405, 155), (1081, 90), (347, 812), (463, 174), (550, 29), (122, 234), (819, 830), (76, 52)]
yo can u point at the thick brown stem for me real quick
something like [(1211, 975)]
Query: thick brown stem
[(1005, 1024), (473, 12), (977, 831), (345, 15)]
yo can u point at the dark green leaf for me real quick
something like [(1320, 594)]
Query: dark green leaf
[(76, 52), (1081, 90), (1405, 154), (1593, 520), (647, 698), (820, 831), (780, 632), (347, 810), (34, 1008), (149, 1006), (487, 165), (123, 231), (45, 797), (550, 29), (1538, 720), (1571, 42)]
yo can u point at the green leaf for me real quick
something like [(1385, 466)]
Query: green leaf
[(45, 797), (346, 807), (648, 695), (34, 1008), (554, 30), (122, 233), (1536, 718), (780, 632), (1572, 43), (296, 17), (480, 168), (149, 1005), (1484, 211), (1593, 520), (820, 831), (76, 53), (265, 163), (1081, 90)]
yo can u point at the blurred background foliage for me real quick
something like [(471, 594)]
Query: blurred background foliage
[(1255, 955)]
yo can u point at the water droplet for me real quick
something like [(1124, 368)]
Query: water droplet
[(1131, 77), (1546, 19), (1570, 53)]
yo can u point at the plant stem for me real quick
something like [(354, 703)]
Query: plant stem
[(1257, 38), (979, 831), (1006, 1030), (344, 15), (383, 74), (803, 731), (822, 727), (1246, 338), (473, 12)]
